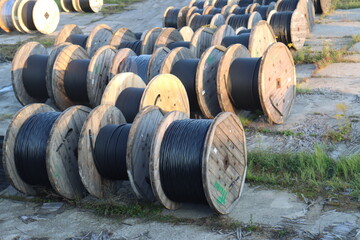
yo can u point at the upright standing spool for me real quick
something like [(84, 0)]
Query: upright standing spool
[(246, 20), (98, 37), (199, 3), (93, 6), (31, 72), (87, 83), (264, 10), (67, 5), (175, 17), (124, 38), (6, 9), (146, 66), (197, 21), (61, 155), (222, 32), (191, 12), (222, 170), (275, 91), (164, 91), (291, 32), (38, 15), (187, 33), (322, 6), (257, 41)]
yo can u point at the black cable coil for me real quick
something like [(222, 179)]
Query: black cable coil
[(30, 148), (27, 15), (34, 76), (200, 20), (239, 10), (244, 3), (135, 46), (281, 24), (243, 84), (267, 2), (174, 45), (185, 70), (129, 102), (242, 39), (78, 39), (110, 151), (287, 5), (263, 10), (214, 11), (198, 4), (171, 18), (75, 81), (181, 156), (239, 21), (317, 6), (139, 65), (221, 3)]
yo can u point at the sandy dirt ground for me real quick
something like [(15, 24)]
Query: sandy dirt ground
[(313, 115)]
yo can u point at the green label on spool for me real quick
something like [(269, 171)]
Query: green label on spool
[(222, 199)]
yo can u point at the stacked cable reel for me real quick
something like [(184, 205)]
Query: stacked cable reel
[(66, 76), (129, 93), (40, 150), (264, 10), (322, 6), (29, 16), (89, 6), (99, 36), (243, 20), (289, 28)]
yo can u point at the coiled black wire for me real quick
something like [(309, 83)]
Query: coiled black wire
[(221, 3), (34, 76), (110, 151), (200, 20), (244, 3), (267, 2), (185, 70), (75, 81), (181, 155), (244, 31), (239, 21), (317, 6), (263, 10), (287, 5), (258, 2), (239, 10), (129, 102), (78, 39), (85, 6), (198, 4), (135, 46), (171, 18), (243, 84), (30, 148), (281, 24), (139, 65), (138, 35), (174, 45), (242, 39), (214, 11), (27, 15)]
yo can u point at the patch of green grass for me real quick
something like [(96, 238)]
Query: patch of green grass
[(117, 6), (5, 116), (304, 91), (275, 132), (355, 39), (313, 173), (343, 130), (346, 4)]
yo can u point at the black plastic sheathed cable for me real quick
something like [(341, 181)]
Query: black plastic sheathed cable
[(30, 148), (200, 20), (129, 102), (281, 25), (239, 21), (174, 45), (78, 39), (135, 46), (171, 18), (139, 65), (75, 81), (287, 5), (110, 151), (181, 155), (238, 39)]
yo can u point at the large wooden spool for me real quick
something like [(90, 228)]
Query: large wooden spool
[(216, 21), (254, 18), (6, 9), (181, 17), (298, 29), (277, 81), (61, 153), (322, 6), (94, 183), (20, 62), (98, 37), (148, 39), (82, 5), (224, 162), (96, 75), (187, 33), (164, 91)]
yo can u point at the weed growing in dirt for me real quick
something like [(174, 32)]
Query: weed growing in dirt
[(304, 91), (117, 6), (343, 130), (355, 39), (312, 173), (346, 4)]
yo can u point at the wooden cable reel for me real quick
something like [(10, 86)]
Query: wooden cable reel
[(29, 16), (216, 20), (96, 75), (164, 91), (98, 37), (82, 5), (223, 167), (187, 33), (148, 40), (260, 38), (20, 62), (180, 18), (61, 151), (276, 81), (254, 18), (204, 90)]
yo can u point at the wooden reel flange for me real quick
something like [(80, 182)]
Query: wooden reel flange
[(96, 75), (224, 162), (187, 33), (61, 152), (276, 81), (6, 9), (164, 91), (98, 37)]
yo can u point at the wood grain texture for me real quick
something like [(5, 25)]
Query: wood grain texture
[(261, 37), (118, 59), (122, 35), (65, 32), (46, 16), (99, 36)]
